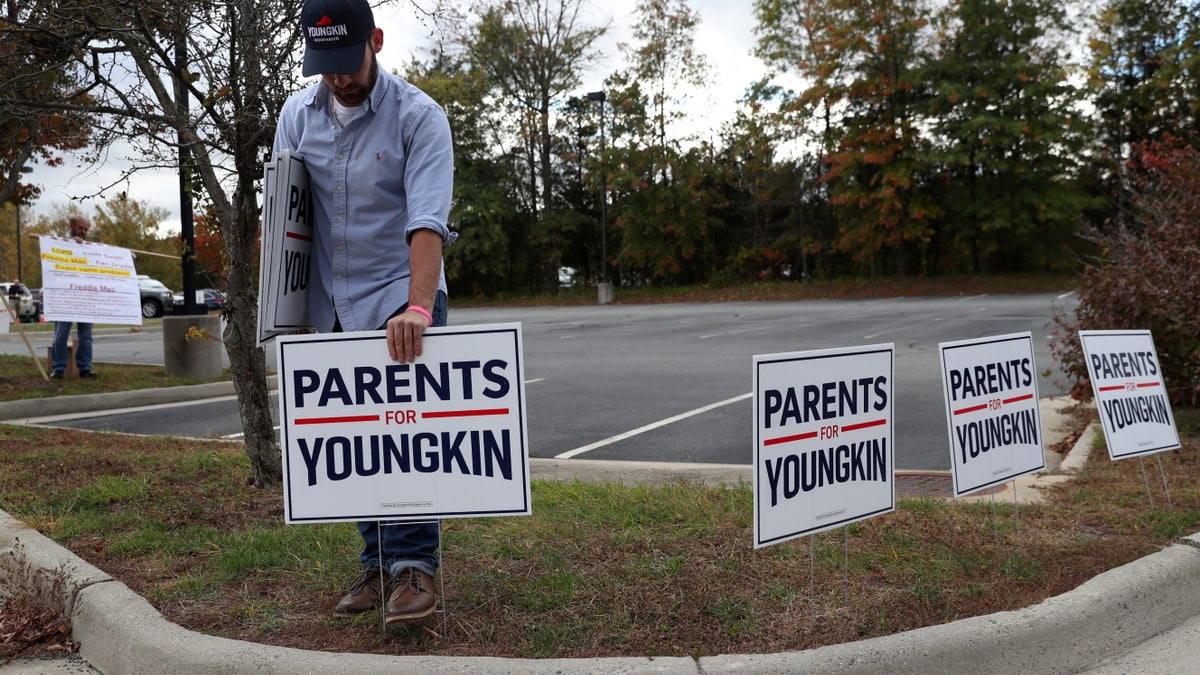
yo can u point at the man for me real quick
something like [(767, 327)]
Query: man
[(78, 227), (380, 163)]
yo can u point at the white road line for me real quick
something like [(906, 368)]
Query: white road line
[(752, 329), (1065, 295), (651, 427), (241, 434), (733, 332), (899, 328), (112, 412)]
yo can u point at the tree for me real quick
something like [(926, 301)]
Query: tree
[(662, 214), (666, 64), (485, 211), (877, 171), (666, 228), (142, 63), (211, 255), (861, 58), (532, 53), (27, 132), (1144, 59), (1007, 138), (776, 215)]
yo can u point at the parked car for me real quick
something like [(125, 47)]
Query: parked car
[(28, 311), (566, 277), (37, 300), (156, 297), (212, 299)]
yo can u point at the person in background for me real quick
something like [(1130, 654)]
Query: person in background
[(381, 169), (78, 227)]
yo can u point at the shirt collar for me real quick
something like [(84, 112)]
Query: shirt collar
[(319, 94)]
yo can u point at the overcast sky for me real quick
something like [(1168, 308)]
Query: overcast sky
[(725, 36)]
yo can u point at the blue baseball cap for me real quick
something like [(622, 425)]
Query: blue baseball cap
[(334, 34)]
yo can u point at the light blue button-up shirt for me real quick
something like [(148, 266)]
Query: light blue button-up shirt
[(386, 174)]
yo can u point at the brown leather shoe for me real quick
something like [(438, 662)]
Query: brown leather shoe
[(410, 596), (363, 595)]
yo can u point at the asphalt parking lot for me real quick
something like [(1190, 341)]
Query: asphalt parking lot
[(672, 382)]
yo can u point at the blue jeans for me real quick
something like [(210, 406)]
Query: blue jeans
[(399, 544), (83, 353)]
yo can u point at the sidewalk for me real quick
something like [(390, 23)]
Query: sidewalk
[(1141, 617)]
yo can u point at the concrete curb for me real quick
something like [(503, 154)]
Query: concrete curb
[(41, 566), (120, 632), (1078, 456), (1069, 633), (31, 408)]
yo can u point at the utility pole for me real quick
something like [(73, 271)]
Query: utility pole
[(603, 288)]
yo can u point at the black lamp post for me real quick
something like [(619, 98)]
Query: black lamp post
[(186, 222), (599, 96)]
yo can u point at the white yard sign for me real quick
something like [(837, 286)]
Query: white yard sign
[(286, 253), (823, 440), (992, 410), (89, 282), (367, 438), (1130, 393)]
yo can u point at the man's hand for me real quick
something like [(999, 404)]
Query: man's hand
[(404, 331), (404, 335)]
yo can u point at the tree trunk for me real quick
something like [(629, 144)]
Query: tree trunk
[(247, 363)]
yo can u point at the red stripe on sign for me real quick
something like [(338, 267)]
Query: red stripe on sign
[(1148, 384), (1115, 387), (864, 425), (789, 439), (1018, 399), (297, 235), (338, 420), (464, 413), (974, 408)]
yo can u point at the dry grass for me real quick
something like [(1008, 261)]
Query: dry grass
[(597, 570), (31, 622)]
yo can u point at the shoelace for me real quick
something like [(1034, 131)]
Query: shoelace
[(367, 577), (406, 577)]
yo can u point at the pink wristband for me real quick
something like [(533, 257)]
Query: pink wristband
[(421, 310)]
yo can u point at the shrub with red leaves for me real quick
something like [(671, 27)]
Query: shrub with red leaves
[(1147, 275)]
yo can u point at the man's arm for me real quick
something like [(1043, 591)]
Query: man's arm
[(429, 181), (425, 261)]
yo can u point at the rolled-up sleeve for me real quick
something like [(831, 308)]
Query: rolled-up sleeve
[(429, 173)]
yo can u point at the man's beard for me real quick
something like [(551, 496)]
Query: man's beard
[(357, 94)]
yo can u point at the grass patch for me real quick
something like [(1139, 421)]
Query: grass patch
[(597, 570), (21, 379)]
